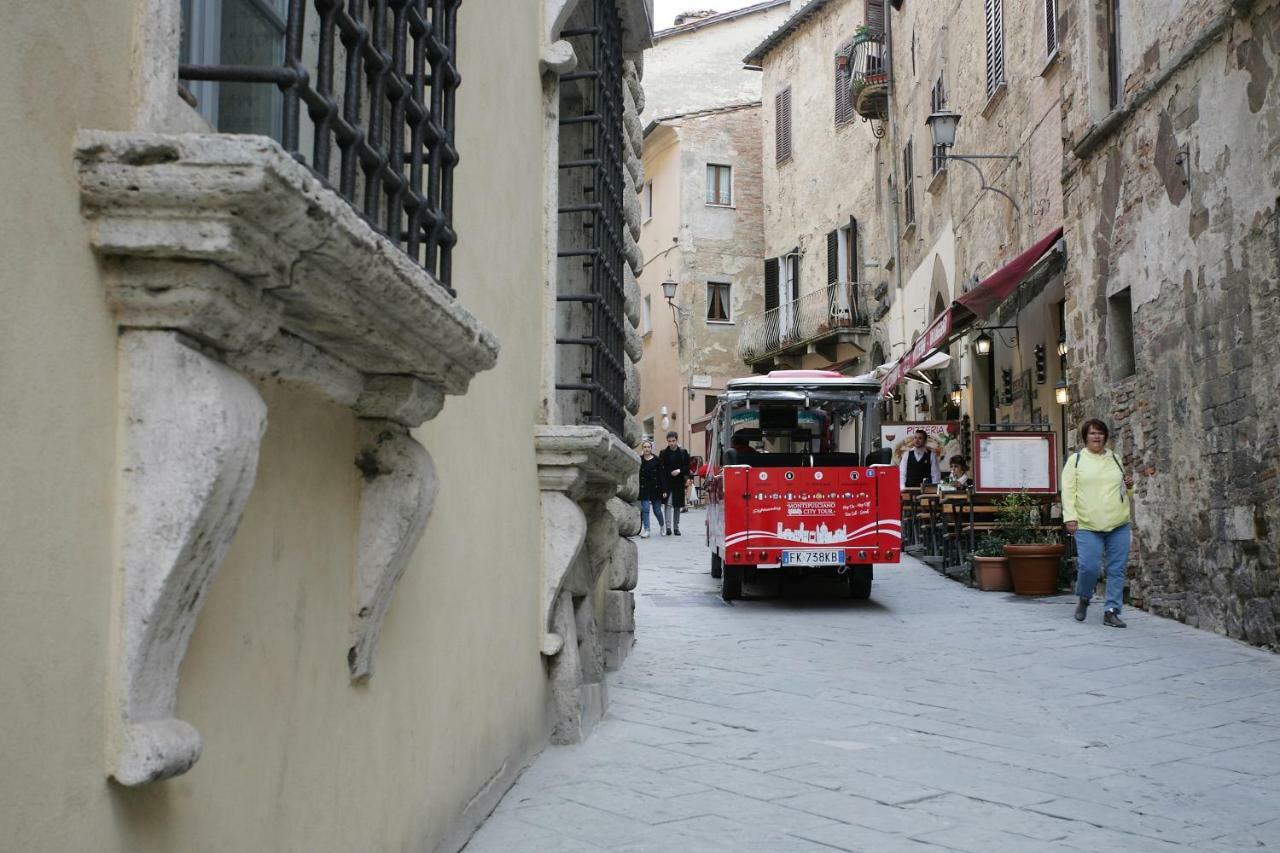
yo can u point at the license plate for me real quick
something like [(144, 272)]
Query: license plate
[(813, 558)]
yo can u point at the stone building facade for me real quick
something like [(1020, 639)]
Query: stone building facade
[(825, 204), (702, 215), (1004, 79), (1171, 118), (325, 507)]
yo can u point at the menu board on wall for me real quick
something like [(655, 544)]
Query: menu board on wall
[(1015, 461)]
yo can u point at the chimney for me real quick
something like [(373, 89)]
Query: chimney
[(696, 15)]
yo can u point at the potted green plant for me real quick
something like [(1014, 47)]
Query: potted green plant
[(1035, 555), (862, 33), (991, 566)]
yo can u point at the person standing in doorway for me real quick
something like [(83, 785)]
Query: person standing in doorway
[(651, 493), (1096, 494), (919, 464), (675, 471)]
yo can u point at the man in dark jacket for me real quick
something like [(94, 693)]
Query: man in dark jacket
[(675, 473)]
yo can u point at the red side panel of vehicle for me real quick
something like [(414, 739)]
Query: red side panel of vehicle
[(769, 510)]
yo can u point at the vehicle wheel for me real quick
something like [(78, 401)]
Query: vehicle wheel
[(731, 583), (716, 564), (860, 582)]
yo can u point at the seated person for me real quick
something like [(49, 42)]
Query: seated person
[(880, 456), (742, 445), (959, 471)]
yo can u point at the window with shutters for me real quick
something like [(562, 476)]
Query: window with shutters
[(646, 200), (770, 284), (1051, 27), (873, 15), (782, 125), (1113, 53), (833, 256), (719, 185), (908, 185), (844, 103), (718, 310), (938, 103), (995, 45)]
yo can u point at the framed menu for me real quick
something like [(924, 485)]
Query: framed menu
[(1015, 461)]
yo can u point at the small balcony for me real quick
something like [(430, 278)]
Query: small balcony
[(869, 76), (819, 328)]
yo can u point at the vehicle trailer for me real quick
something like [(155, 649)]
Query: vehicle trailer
[(786, 487)]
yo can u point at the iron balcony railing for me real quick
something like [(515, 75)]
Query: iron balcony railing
[(868, 74), (813, 316), (378, 79)]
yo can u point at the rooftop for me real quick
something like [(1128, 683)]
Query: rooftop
[(720, 18), (790, 25)]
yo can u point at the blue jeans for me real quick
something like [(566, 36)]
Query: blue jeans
[(644, 513), (1089, 547)]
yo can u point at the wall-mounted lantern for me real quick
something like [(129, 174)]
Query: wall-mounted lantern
[(1062, 392), (982, 346)]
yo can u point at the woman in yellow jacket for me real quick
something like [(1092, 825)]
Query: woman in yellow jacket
[(1096, 494)]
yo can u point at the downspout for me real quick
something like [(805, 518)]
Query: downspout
[(895, 198)]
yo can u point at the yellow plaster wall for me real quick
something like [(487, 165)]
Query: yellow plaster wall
[(295, 758)]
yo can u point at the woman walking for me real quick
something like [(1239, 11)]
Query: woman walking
[(651, 494), (1096, 494)]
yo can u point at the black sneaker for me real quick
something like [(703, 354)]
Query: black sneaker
[(677, 531), (1082, 609), (666, 533), (1112, 620)]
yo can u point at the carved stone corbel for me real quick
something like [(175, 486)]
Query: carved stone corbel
[(189, 445), (228, 243)]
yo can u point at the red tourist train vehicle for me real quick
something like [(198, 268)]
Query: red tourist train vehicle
[(786, 488)]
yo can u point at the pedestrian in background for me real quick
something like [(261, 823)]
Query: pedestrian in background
[(651, 494), (675, 472), (1096, 494)]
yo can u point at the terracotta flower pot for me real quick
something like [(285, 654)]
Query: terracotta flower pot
[(991, 574), (1034, 568)]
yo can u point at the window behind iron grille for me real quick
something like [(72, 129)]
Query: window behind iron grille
[(908, 184), (1113, 53), (995, 44), (782, 125), (1051, 27), (938, 103), (378, 79), (591, 359)]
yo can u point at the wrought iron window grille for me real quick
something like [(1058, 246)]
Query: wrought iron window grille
[(594, 212), (378, 78)]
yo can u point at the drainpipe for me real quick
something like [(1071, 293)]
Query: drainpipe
[(895, 198)]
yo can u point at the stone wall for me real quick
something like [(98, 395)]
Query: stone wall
[(1173, 196)]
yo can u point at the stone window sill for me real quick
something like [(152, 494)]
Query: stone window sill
[(996, 99), (937, 182)]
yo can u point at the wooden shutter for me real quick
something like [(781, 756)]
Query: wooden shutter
[(855, 269), (795, 278), (995, 44), (782, 125), (873, 15), (844, 104), (770, 284), (833, 256), (1051, 26), (908, 184)]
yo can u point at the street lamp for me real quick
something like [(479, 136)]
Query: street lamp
[(1062, 392), (942, 127), (982, 346), (957, 395), (942, 124), (669, 290)]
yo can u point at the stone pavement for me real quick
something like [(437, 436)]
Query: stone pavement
[(933, 717)]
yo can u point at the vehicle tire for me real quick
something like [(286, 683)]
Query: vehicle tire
[(860, 582), (716, 564), (731, 583)]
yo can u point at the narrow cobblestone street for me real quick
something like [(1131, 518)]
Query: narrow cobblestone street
[(934, 717)]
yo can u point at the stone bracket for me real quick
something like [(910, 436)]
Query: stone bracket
[(399, 491), (190, 436)]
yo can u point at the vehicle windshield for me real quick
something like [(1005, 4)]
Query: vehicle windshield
[(793, 428)]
